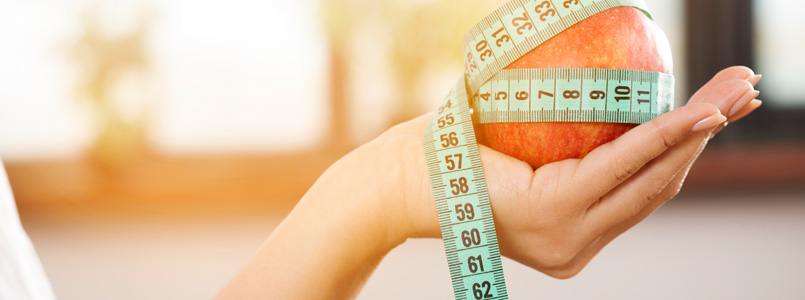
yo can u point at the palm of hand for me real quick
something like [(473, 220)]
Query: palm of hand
[(557, 218)]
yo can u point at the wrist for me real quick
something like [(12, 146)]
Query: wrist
[(404, 181), (374, 207)]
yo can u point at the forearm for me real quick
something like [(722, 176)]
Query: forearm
[(329, 244)]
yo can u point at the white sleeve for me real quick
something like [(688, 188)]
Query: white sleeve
[(21, 274)]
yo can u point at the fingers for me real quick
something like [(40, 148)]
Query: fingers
[(735, 75), (754, 104), (585, 255), (599, 241), (754, 79), (737, 72), (655, 176), (654, 180), (728, 106), (743, 112), (714, 95), (734, 72), (743, 101), (634, 195), (629, 198), (611, 164)]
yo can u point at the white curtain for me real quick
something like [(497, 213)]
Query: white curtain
[(21, 274)]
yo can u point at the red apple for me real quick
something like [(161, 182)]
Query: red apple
[(618, 38)]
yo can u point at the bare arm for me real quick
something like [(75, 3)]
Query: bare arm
[(554, 219), (332, 240)]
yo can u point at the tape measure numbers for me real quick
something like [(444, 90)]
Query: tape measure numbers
[(462, 202), (524, 95), (574, 95), (519, 26)]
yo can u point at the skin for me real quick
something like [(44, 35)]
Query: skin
[(595, 42), (554, 219)]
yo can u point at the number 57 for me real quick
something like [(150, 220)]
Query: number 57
[(453, 161)]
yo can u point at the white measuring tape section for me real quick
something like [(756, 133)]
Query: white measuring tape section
[(524, 95), (519, 26)]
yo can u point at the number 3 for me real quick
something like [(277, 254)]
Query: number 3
[(525, 25), (549, 12)]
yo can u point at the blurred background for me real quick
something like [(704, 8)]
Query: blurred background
[(153, 145)]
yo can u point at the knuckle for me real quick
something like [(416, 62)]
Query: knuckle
[(666, 135), (623, 170), (544, 185), (645, 200), (657, 187)]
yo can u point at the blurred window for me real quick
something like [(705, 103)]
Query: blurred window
[(765, 36), (779, 44), (38, 116), (201, 77)]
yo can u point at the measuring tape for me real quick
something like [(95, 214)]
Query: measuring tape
[(524, 95), (574, 95)]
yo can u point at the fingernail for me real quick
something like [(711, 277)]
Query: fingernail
[(756, 103), (749, 108), (754, 79), (709, 122), (748, 96)]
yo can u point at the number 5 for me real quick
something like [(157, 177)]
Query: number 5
[(460, 210), (446, 120), (451, 163)]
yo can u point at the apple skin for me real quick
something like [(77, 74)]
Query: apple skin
[(617, 38)]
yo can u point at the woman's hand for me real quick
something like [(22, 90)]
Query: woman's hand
[(557, 218), (554, 219)]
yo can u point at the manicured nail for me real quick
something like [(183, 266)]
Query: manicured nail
[(749, 108), (754, 79), (756, 103), (748, 96), (709, 122)]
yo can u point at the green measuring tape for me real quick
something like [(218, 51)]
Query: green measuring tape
[(574, 95), (524, 95)]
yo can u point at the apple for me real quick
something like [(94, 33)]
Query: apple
[(617, 38)]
